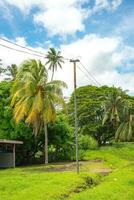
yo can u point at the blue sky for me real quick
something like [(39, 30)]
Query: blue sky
[(100, 32), (18, 23)]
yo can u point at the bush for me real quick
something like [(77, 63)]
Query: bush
[(87, 142)]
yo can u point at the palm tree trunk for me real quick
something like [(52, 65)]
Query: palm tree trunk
[(46, 143), (52, 74)]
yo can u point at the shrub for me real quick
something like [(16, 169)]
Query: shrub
[(87, 142)]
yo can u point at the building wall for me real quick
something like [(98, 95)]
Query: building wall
[(6, 160)]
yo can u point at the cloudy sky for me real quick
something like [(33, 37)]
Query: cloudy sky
[(98, 32)]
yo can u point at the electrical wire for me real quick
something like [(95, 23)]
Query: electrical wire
[(42, 55), (29, 49), (89, 79), (18, 50), (97, 82), (89, 73)]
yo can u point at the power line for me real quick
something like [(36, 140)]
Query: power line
[(18, 50), (42, 55), (86, 75), (90, 74), (89, 79), (29, 49)]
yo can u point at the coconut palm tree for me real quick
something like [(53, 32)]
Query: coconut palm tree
[(2, 69), (11, 71), (54, 60), (113, 105), (35, 99), (125, 131)]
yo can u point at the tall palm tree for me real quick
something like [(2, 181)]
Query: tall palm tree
[(125, 131), (12, 71), (113, 105), (2, 69), (54, 60), (34, 98)]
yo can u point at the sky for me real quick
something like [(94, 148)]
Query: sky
[(98, 32)]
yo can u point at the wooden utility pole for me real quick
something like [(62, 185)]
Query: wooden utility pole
[(74, 61), (13, 155)]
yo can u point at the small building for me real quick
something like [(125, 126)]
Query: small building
[(7, 153)]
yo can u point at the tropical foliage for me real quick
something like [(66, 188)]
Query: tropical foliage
[(54, 60), (34, 99), (113, 106), (105, 114), (90, 100), (125, 131), (119, 111), (9, 72), (12, 71), (100, 111)]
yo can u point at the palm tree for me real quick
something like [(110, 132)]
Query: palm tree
[(2, 69), (113, 105), (125, 131), (54, 60), (34, 99), (12, 71)]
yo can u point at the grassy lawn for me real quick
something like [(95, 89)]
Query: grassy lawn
[(43, 182), (59, 181), (119, 185), (18, 184)]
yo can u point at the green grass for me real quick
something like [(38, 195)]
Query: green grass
[(34, 183), (119, 185), (59, 181)]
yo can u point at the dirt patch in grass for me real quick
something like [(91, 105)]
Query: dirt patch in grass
[(104, 171), (96, 166)]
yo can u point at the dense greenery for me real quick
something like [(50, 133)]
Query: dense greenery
[(59, 132), (32, 109), (34, 99), (100, 111), (30, 106)]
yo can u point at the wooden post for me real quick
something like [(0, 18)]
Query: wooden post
[(46, 143), (75, 113), (13, 155)]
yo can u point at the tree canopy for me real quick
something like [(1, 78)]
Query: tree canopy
[(105, 114)]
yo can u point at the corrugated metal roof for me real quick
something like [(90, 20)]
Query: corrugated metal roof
[(10, 142)]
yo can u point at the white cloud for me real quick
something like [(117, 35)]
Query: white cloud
[(63, 17), (5, 12), (92, 48), (100, 55), (21, 41), (107, 4), (125, 25), (67, 21), (23, 5), (56, 16)]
